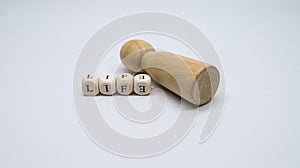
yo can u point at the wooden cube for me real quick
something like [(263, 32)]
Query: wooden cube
[(124, 83), (107, 85), (142, 84), (90, 85)]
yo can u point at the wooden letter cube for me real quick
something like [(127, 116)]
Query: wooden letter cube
[(142, 84), (90, 85), (125, 84), (107, 85)]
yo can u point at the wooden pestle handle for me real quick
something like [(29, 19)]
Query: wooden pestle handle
[(193, 80)]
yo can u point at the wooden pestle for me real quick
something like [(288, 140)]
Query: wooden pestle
[(195, 81)]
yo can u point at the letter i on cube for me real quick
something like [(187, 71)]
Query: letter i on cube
[(107, 85), (142, 84), (90, 85), (124, 84)]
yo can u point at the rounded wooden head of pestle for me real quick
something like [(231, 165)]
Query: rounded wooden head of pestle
[(133, 51), (193, 80)]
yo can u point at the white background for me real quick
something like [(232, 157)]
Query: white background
[(257, 42)]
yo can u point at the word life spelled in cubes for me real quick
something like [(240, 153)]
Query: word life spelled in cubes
[(124, 84)]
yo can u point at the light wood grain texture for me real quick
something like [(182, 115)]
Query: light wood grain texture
[(193, 80), (133, 52)]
